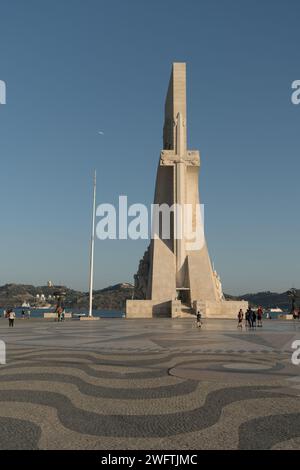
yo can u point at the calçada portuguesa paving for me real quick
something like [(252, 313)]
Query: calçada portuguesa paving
[(149, 384)]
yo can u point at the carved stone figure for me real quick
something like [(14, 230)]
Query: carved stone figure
[(219, 285)]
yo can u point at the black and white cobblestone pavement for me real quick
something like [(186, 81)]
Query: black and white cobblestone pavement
[(149, 384)]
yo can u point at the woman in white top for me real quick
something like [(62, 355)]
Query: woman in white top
[(11, 318)]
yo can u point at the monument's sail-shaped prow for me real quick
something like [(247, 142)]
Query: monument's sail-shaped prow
[(175, 277), (177, 271)]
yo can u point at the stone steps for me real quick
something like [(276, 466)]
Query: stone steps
[(185, 312)]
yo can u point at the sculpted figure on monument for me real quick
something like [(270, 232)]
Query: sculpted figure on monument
[(218, 285)]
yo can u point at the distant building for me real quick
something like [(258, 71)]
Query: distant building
[(49, 284)]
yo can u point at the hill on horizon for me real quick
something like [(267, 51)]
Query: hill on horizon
[(112, 297)]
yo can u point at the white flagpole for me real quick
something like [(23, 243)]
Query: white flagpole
[(92, 248)]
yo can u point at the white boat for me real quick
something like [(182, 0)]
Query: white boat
[(276, 310)]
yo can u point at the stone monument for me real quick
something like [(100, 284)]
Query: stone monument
[(175, 276)]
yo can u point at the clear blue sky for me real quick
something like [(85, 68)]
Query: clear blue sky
[(75, 67)]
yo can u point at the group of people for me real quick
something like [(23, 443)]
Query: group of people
[(252, 319), (11, 315), (27, 313)]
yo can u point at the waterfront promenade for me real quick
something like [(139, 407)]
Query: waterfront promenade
[(149, 384)]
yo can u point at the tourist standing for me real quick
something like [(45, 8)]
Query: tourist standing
[(11, 318), (240, 319), (59, 314), (295, 314), (259, 316), (23, 314), (249, 316)]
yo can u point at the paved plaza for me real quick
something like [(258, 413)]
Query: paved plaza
[(149, 384)]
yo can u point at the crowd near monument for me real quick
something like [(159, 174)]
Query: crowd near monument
[(175, 277)]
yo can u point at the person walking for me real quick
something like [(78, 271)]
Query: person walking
[(11, 318), (240, 319), (199, 324)]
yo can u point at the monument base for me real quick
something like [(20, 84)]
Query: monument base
[(53, 315), (148, 309), (175, 309), (224, 309)]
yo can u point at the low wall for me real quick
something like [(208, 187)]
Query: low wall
[(176, 308), (50, 315), (224, 309), (284, 316), (147, 309), (209, 309)]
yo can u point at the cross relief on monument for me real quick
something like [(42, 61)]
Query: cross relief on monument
[(169, 158)]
